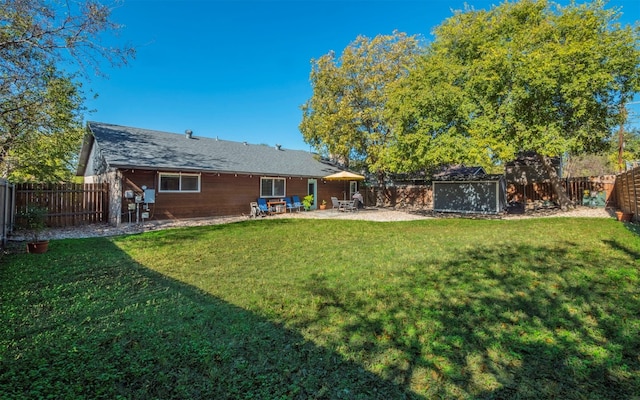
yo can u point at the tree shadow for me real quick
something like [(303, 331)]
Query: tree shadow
[(107, 326), (490, 321), (507, 321), (623, 248), (633, 227)]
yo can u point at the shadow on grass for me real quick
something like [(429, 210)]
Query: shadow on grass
[(96, 324), (496, 322), (623, 248), (633, 227)]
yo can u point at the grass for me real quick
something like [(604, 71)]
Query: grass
[(287, 309)]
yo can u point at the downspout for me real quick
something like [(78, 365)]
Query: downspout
[(118, 204)]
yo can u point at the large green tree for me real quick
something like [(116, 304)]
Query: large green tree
[(345, 117), (45, 47), (523, 76), (48, 153)]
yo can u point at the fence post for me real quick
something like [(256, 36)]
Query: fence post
[(635, 195), (629, 192), (618, 190)]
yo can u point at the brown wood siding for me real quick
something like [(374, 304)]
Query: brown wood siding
[(220, 195), (339, 189)]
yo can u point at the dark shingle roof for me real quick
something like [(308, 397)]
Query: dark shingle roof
[(127, 147), (459, 172), (469, 178)]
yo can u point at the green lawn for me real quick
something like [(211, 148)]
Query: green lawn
[(288, 309)]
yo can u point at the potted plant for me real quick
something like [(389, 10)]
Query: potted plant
[(622, 216), (323, 205), (307, 201), (33, 220)]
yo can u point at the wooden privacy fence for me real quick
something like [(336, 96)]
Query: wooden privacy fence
[(575, 187), (421, 196), (69, 204), (627, 189)]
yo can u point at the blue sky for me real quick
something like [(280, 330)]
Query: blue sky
[(239, 70)]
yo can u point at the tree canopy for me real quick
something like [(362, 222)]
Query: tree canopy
[(45, 45), (522, 76), (345, 117)]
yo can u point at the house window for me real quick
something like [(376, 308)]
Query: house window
[(272, 187), (179, 182)]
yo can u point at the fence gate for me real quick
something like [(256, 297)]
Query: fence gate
[(7, 202), (69, 204)]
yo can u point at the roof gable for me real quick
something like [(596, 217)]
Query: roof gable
[(459, 172), (135, 148)]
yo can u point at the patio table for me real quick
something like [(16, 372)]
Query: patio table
[(346, 205), (280, 206)]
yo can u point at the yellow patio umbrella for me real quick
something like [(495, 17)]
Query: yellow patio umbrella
[(344, 176)]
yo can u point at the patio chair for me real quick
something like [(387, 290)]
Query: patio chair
[(296, 202), (262, 205), (289, 204), (255, 210), (352, 205), (336, 204)]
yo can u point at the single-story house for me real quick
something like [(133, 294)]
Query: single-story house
[(161, 175), (463, 189)]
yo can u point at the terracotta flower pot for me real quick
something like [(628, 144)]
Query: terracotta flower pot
[(38, 247), (624, 217)]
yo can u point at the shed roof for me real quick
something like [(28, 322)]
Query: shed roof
[(127, 147), (460, 173), (470, 178)]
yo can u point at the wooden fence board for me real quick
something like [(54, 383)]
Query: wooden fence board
[(421, 197), (575, 188), (627, 190), (69, 204)]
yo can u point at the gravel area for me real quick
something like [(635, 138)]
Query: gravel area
[(368, 214)]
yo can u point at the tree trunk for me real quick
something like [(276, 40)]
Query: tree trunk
[(382, 188), (562, 198)]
